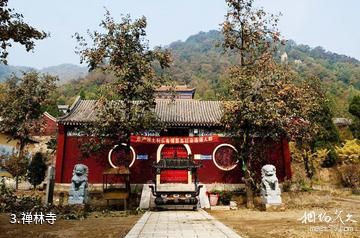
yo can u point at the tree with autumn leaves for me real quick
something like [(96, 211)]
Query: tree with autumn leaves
[(13, 29), (268, 101), (21, 102), (127, 100)]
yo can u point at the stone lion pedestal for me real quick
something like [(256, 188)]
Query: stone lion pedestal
[(270, 190)]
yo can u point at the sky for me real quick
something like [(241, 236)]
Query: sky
[(331, 24)]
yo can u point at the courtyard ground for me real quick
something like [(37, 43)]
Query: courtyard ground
[(96, 225), (245, 222), (288, 223)]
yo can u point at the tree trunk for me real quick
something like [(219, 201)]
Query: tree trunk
[(16, 182), (21, 156), (249, 190), (309, 172), (128, 151), (249, 182), (21, 149)]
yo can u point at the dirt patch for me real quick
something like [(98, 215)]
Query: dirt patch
[(96, 225), (258, 224)]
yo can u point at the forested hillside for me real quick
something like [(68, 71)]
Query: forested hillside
[(200, 62)]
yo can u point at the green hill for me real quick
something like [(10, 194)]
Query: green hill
[(201, 63)]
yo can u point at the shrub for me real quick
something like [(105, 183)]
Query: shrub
[(16, 165), (331, 159), (7, 197), (349, 152), (225, 197), (9, 202), (36, 170), (286, 185), (350, 175)]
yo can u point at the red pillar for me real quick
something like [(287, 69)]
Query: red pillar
[(60, 152), (287, 158)]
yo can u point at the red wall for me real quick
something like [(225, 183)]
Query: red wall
[(49, 126), (141, 172)]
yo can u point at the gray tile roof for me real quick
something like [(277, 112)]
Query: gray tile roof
[(181, 112)]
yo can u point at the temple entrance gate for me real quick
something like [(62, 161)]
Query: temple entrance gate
[(177, 152)]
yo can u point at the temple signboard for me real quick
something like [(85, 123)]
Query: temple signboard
[(174, 139)]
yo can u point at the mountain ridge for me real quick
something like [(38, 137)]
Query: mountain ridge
[(66, 71)]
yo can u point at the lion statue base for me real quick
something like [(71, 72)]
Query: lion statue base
[(78, 193), (270, 190)]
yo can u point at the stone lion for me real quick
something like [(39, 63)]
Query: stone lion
[(79, 184), (269, 181)]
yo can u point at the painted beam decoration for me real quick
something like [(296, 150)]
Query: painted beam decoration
[(173, 139)]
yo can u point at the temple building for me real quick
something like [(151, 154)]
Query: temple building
[(177, 92), (193, 131)]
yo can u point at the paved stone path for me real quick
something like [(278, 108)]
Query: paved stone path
[(180, 224)]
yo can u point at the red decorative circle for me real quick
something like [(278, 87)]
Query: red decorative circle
[(224, 157), (118, 156)]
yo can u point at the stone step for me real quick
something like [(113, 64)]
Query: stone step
[(175, 187)]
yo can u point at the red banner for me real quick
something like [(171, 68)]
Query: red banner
[(174, 139)]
